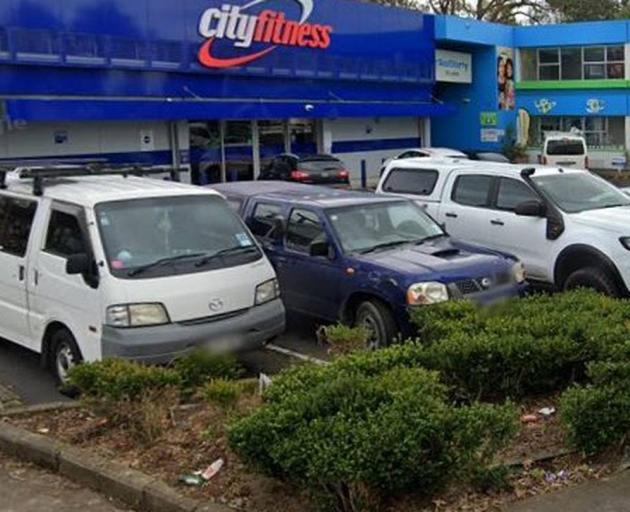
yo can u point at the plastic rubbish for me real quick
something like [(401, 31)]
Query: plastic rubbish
[(212, 470), (547, 411), (192, 480), (529, 418), (560, 476), (264, 381)]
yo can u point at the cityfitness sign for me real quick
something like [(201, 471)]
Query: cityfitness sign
[(239, 34)]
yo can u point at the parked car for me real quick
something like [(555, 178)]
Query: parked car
[(129, 267), (314, 169), (569, 227), (564, 150), (363, 259), (488, 156), (434, 153)]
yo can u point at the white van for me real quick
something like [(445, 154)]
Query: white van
[(98, 266), (565, 150)]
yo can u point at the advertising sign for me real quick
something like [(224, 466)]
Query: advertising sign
[(505, 79), (453, 67)]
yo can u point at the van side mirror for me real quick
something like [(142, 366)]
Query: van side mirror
[(531, 208), (82, 264), (320, 249)]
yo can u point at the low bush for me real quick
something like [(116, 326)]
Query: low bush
[(520, 347), (343, 339), (120, 379), (222, 392), (201, 366), (355, 437), (597, 416)]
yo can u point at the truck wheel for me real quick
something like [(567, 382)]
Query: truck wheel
[(377, 319), (594, 278), (65, 355)]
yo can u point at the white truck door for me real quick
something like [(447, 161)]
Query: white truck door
[(16, 221)]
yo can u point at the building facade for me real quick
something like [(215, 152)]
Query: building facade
[(570, 76), (217, 87), (214, 86)]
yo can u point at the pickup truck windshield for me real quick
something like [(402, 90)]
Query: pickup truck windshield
[(580, 191), (172, 235), (369, 227)]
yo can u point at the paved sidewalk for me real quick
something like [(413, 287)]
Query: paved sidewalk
[(612, 495), (26, 488)]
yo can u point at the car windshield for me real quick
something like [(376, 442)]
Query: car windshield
[(580, 191), (368, 227), (172, 235), (565, 147)]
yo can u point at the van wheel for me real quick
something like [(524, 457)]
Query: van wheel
[(377, 319), (594, 278), (65, 355)]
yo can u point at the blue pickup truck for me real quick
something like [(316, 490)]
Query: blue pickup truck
[(365, 259)]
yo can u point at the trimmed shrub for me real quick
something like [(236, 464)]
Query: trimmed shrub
[(343, 339), (120, 379), (222, 392), (201, 366), (355, 437)]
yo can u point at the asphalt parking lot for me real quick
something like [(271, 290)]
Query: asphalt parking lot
[(22, 375)]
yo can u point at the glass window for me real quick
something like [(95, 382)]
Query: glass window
[(594, 54), (303, 229), (571, 63), (262, 221), (173, 235), (615, 53), (594, 71), (549, 72), (548, 56), (472, 190), (616, 70), (383, 224), (64, 236), (580, 191), (565, 147), (513, 192), (16, 220), (412, 154), (411, 181)]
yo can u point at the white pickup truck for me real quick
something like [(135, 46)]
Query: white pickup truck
[(569, 227)]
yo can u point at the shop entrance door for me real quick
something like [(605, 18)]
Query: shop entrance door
[(239, 150), (303, 136)]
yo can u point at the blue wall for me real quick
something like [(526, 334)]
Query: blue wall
[(566, 34)]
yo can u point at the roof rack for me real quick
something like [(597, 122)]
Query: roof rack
[(39, 171)]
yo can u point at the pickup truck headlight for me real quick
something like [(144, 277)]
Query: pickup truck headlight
[(136, 315), (432, 292), (625, 241), (518, 272), (267, 291)]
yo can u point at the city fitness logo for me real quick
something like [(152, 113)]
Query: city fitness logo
[(269, 28)]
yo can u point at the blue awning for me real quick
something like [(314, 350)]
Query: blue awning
[(78, 109)]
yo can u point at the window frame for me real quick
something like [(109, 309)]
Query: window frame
[(606, 62), (27, 245), (433, 172), (489, 195), (253, 216), (289, 247), (496, 187)]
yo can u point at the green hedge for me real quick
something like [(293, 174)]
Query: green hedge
[(366, 427)]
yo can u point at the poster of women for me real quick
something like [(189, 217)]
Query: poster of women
[(505, 79)]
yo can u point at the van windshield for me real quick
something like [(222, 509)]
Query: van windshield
[(172, 235), (368, 227), (565, 147), (580, 191)]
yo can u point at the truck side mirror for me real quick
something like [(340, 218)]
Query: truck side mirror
[(533, 208), (82, 264)]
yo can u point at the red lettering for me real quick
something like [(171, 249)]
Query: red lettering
[(303, 33), (290, 32), (262, 25), (277, 31), (325, 33)]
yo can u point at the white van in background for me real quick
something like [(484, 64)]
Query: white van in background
[(565, 150), (125, 266)]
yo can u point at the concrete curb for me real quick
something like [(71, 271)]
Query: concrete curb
[(33, 409), (128, 486)]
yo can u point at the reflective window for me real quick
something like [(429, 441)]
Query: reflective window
[(513, 192), (262, 221), (574, 63), (303, 229), (472, 190), (420, 182), (16, 220), (64, 236)]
